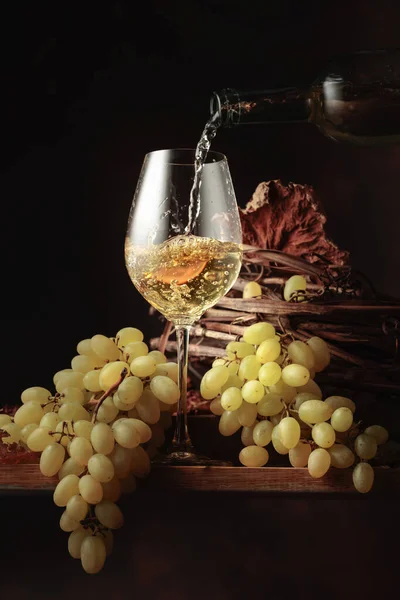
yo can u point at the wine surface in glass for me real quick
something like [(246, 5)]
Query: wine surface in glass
[(185, 275)]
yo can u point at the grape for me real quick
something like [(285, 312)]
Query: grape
[(296, 283), (295, 375), (341, 456), (81, 450), (70, 467), (215, 378), (121, 458), (379, 433), (324, 435), (299, 455), (83, 429), (127, 335), (57, 376), (275, 419), (67, 523), (75, 541), (252, 391), (111, 373), (342, 419), (289, 432), (233, 367), (268, 351), (262, 433), (340, 401), (85, 347), (219, 362), (27, 430), (365, 446), (319, 462), (130, 390), (65, 427), (231, 399), (72, 379), (216, 407), (258, 333), (170, 369), (102, 438), (126, 435), (140, 464), (112, 490), (142, 428), (51, 459), (253, 456), (249, 368), (311, 387), (165, 389), (252, 289), (90, 489), (31, 412), (128, 485), (93, 554), (50, 420), (83, 363), (301, 354), (72, 394), (232, 381), (276, 441), (65, 489), (302, 397), (320, 350), (135, 350), (148, 406), (363, 477), (39, 439), (158, 356), (247, 435), (240, 349), (143, 366), (107, 411), (286, 392), (101, 468), (73, 411), (208, 393), (269, 373), (246, 414), (270, 405), (77, 508), (91, 381), (133, 413), (35, 394), (4, 419), (121, 406), (109, 514), (315, 411), (229, 423), (104, 347)]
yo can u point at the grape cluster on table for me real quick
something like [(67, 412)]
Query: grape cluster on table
[(265, 387), (98, 444)]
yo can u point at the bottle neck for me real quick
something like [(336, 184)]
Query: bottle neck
[(283, 105)]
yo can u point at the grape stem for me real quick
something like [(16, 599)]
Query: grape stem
[(110, 391)]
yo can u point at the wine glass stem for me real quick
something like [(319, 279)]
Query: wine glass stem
[(181, 441)]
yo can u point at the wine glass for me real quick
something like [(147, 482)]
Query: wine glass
[(183, 254)]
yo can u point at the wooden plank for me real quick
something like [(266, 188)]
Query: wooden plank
[(283, 480)]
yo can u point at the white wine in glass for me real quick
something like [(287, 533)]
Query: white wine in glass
[(183, 253)]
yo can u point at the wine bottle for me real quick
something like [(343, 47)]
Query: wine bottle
[(356, 99)]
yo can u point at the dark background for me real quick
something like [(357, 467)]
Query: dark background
[(87, 90)]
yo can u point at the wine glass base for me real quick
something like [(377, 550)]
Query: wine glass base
[(188, 458)]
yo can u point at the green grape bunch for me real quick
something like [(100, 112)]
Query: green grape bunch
[(265, 387), (97, 433)]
